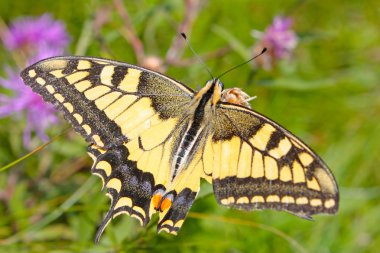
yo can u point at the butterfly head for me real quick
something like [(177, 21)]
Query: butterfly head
[(217, 91), (211, 91)]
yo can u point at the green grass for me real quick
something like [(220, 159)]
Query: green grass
[(328, 95)]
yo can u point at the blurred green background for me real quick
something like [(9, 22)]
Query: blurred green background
[(328, 94)]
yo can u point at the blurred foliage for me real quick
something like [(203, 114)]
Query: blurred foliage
[(328, 95)]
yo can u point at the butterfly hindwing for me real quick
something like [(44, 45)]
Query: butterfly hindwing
[(261, 165), (129, 189), (156, 159)]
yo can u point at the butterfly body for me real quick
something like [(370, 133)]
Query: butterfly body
[(152, 139)]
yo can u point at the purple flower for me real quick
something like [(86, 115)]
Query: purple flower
[(278, 38), (37, 38), (36, 34), (25, 103)]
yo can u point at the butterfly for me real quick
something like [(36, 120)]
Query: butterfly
[(153, 139)]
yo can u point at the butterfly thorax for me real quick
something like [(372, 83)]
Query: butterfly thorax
[(199, 125)]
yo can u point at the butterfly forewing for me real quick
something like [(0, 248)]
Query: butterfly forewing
[(262, 165), (105, 99)]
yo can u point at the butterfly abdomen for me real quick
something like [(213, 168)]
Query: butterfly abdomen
[(186, 149)]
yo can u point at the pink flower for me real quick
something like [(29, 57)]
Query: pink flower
[(36, 34), (38, 38), (278, 38), (26, 103)]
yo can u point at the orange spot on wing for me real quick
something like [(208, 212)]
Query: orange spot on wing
[(165, 204), (156, 199)]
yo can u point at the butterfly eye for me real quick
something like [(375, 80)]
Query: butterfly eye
[(221, 85)]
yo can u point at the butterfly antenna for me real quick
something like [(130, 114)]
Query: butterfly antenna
[(241, 64), (196, 55)]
